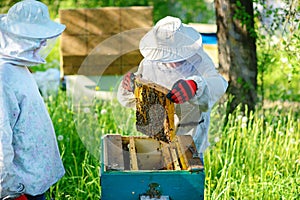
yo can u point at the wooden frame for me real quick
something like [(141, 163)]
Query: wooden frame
[(154, 112)]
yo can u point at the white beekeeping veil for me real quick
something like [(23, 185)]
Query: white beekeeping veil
[(27, 34)]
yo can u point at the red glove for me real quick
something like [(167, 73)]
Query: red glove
[(182, 91), (22, 197), (128, 82)]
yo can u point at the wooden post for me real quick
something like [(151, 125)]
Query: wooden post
[(175, 157), (166, 154), (133, 156)]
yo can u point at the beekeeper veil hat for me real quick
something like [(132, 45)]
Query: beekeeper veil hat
[(30, 18), (26, 29), (170, 41)]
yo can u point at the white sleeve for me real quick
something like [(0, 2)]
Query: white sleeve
[(9, 111), (211, 86), (125, 97)]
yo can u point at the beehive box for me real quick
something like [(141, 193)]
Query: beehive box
[(159, 165), (90, 45), (146, 168)]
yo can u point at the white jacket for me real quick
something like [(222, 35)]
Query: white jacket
[(29, 153), (193, 116)]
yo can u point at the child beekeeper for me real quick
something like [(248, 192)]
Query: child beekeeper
[(174, 58), (29, 156)]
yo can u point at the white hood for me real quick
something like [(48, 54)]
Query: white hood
[(20, 50)]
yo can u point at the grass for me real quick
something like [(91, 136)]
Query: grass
[(253, 156), (256, 158)]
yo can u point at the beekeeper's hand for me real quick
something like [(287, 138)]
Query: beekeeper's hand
[(128, 82), (22, 197), (182, 91), (13, 197)]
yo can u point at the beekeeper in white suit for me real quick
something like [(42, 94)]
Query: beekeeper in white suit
[(174, 58), (29, 156)]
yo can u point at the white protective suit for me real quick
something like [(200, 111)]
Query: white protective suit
[(29, 156), (193, 116)]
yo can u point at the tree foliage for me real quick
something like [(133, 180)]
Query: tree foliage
[(278, 33), (178, 8)]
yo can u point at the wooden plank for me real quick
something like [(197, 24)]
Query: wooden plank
[(132, 152), (100, 45), (112, 147), (87, 29), (103, 21), (154, 112), (72, 45), (71, 64), (132, 58), (75, 21), (127, 68), (89, 66), (182, 142), (166, 156), (101, 61), (174, 155), (187, 151), (149, 154), (144, 19)]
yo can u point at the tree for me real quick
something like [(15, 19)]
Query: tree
[(6, 4), (237, 50)]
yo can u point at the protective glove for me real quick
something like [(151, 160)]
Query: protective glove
[(128, 82), (22, 197), (182, 91)]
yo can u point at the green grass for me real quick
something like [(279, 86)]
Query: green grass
[(253, 156), (257, 158)]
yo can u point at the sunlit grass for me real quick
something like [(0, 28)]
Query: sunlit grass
[(255, 156)]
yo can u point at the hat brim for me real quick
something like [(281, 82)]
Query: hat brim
[(187, 44), (46, 30)]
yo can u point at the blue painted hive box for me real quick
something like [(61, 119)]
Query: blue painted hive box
[(160, 165), (144, 168)]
